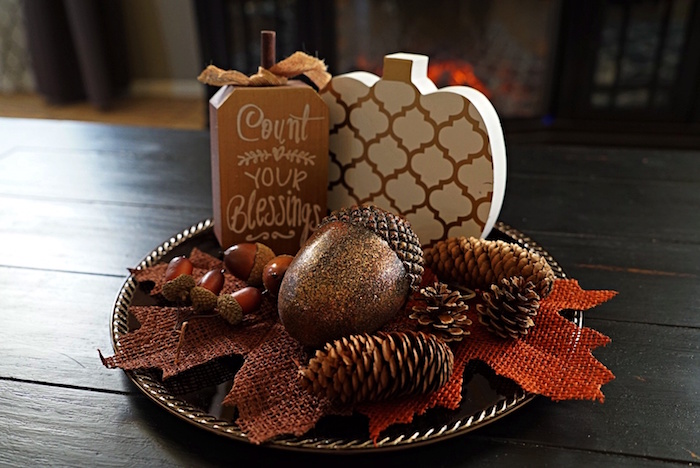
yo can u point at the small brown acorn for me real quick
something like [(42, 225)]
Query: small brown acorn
[(213, 280), (178, 289), (246, 261), (234, 306), (178, 266), (204, 294), (274, 271), (352, 276)]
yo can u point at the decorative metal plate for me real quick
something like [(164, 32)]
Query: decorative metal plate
[(486, 396)]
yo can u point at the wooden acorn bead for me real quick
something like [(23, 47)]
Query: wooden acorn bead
[(247, 260), (178, 266), (204, 294), (213, 280), (274, 271), (232, 307), (178, 279)]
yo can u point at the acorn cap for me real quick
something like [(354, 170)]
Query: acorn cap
[(230, 309), (263, 254), (203, 300), (178, 289), (394, 230)]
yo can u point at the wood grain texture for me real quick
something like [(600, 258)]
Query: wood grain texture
[(85, 237), (66, 134), (651, 409), (134, 177), (657, 281), (58, 322), (596, 163), (59, 426)]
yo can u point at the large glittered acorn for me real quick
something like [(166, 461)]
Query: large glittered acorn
[(352, 275)]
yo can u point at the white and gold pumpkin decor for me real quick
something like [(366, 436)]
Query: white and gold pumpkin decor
[(437, 156)]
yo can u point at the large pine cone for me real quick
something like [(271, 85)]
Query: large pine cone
[(362, 368), (509, 307), (442, 312), (479, 263), (395, 230)]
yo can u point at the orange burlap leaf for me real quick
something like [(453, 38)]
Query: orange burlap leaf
[(554, 360)]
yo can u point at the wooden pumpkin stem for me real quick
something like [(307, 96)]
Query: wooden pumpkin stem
[(267, 49)]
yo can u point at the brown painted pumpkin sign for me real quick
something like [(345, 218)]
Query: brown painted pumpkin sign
[(269, 164), (437, 156)]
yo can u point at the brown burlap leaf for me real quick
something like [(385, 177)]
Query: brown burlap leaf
[(154, 345), (268, 394)]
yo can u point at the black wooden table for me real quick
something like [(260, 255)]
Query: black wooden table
[(82, 202)]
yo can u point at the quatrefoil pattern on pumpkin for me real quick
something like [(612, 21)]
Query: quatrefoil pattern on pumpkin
[(425, 156)]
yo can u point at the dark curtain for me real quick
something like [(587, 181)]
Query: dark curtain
[(78, 49)]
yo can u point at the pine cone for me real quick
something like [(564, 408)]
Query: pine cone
[(362, 368), (178, 289), (479, 263), (509, 307), (442, 313), (395, 230)]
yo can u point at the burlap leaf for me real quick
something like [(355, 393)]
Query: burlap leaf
[(296, 64), (268, 394), (154, 344), (555, 360)]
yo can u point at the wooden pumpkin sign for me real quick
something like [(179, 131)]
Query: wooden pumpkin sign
[(269, 147), (435, 156)]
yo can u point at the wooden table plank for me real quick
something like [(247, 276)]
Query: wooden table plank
[(607, 163), (651, 408), (657, 281), (82, 136), (52, 326), (86, 237), (111, 176), (60, 426), (664, 211)]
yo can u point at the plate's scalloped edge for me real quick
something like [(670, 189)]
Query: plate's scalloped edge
[(153, 388)]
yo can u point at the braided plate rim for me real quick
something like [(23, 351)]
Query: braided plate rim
[(153, 388)]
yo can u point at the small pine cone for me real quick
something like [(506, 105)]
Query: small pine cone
[(178, 289), (203, 300), (229, 309), (442, 312), (479, 263), (362, 368), (394, 230), (509, 307)]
